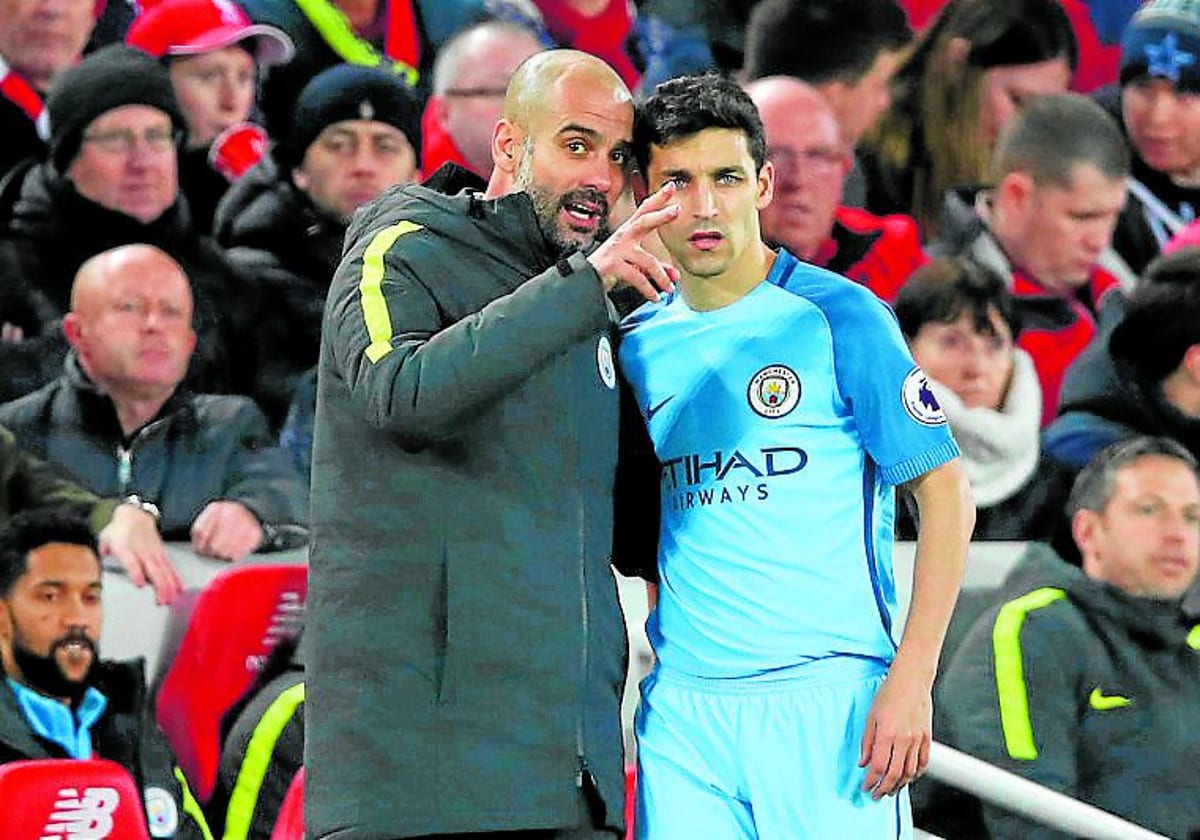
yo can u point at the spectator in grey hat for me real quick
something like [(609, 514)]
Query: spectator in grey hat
[(354, 132), (111, 179)]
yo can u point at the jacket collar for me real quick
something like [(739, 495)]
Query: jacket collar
[(98, 414)]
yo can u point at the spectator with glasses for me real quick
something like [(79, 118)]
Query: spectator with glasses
[(805, 216), (111, 179), (214, 55), (470, 76)]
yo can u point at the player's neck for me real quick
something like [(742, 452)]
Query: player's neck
[(705, 294)]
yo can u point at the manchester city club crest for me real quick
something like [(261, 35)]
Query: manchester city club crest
[(604, 362), (919, 400), (162, 815), (774, 391)]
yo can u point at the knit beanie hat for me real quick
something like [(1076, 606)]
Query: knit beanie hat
[(350, 92), (109, 78), (1163, 41)]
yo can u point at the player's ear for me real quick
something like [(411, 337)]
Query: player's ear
[(766, 185)]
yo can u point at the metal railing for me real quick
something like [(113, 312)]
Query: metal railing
[(1037, 802)]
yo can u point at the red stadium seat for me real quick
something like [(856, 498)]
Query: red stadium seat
[(64, 797), (238, 618), (289, 825)]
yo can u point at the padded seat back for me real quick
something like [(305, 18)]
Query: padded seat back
[(237, 620)]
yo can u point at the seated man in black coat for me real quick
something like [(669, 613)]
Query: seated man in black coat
[(60, 700), (118, 420)]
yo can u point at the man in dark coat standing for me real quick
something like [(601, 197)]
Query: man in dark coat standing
[(468, 650)]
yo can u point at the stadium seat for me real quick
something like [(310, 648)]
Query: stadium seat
[(66, 797), (236, 621), (289, 825)]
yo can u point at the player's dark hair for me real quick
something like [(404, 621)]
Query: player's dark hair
[(821, 40), (1093, 488), (945, 288), (32, 529), (682, 107)]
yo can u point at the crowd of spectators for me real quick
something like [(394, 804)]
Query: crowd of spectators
[(1016, 177)]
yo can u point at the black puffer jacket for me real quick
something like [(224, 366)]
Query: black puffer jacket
[(48, 230), (274, 234)]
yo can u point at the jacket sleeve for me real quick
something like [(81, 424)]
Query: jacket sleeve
[(415, 374), (32, 483), (259, 474), (1010, 697)]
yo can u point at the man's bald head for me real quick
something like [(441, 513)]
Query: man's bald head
[(566, 141), (780, 93), (93, 277), (130, 323), (811, 159), (539, 84)]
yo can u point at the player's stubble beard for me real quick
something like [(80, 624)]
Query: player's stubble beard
[(547, 206)]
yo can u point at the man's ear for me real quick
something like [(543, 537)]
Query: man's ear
[(72, 328), (6, 623), (436, 106), (766, 185), (1191, 362), (1084, 525), (1015, 191), (300, 179), (506, 146)]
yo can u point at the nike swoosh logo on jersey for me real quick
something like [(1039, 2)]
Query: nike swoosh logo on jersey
[(654, 409), (1102, 702)]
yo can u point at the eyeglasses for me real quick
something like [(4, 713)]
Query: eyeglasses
[(125, 141), (476, 92), (818, 160)]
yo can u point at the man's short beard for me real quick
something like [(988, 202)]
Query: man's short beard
[(546, 207), (43, 673)]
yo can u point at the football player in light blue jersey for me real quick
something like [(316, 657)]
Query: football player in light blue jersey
[(783, 409)]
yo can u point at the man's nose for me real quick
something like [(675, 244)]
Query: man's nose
[(706, 202)]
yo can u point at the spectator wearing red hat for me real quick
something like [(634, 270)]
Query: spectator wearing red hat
[(213, 51), (38, 41)]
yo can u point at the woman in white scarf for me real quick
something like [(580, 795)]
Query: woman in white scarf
[(961, 326)]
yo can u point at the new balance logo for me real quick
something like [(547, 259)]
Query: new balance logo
[(82, 817)]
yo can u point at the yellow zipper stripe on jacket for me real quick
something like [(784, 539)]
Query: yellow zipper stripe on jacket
[(1011, 689), (259, 750), (370, 287)]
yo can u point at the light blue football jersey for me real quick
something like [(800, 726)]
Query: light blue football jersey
[(782, 423)]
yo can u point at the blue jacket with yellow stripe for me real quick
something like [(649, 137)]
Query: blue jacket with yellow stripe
[(1085, 689)]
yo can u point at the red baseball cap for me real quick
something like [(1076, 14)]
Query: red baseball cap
[(191, 27)]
